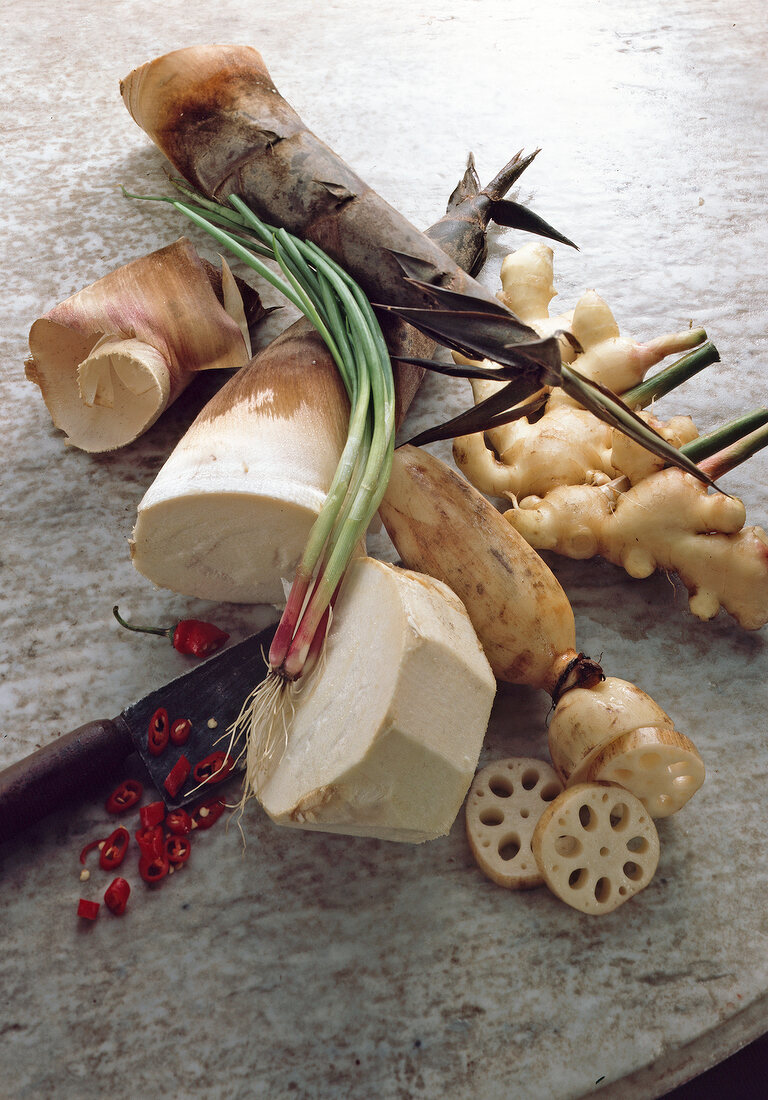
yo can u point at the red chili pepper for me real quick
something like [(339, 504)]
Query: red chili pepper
[(88, 909), (115, 847), (177, 776), (178, 822), (190, 636), (159, 732), (124, 797), (208, 813), (116, 896), (180, 731), (153, 868), (150, 840), (213, 768), (198, 639), (178, 849), (152, 814), (89, 848)]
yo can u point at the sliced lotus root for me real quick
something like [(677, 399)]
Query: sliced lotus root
[(505, 801), (596, 846), (660, 767)]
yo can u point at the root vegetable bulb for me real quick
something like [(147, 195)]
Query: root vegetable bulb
[(616, 733), (442, 526), (112, 357), (385, 735), (280, 425)]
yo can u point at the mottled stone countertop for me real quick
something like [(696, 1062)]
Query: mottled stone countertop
[(317, 966)]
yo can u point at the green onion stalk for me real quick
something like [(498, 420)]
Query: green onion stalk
[(342, 314)]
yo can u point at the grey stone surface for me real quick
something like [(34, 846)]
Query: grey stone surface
[(315, 966)]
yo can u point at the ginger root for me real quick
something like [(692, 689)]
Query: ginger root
[(581, 488), (667, 521)]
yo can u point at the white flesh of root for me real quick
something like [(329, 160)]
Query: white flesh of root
[(385, 733), (504, 804), (596, 847), (110, 359)]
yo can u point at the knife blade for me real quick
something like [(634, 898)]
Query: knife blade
[(77, 764)]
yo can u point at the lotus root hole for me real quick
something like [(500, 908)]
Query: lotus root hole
[(530, 779), (622, 775), (578, 878), (604, 851), (602, 890), (550, 791), (509, 847), (567, 845), (586, 817), (491, 816), (633, 871), (525, 813), (637, 844), (650, 760), (501, 787), (619, 816)]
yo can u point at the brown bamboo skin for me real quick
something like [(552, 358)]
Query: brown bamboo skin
[(216, 114)]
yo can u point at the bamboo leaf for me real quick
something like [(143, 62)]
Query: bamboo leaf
[(461, 370), (601, 401), (487, 335), (515, 216), (501, 408)]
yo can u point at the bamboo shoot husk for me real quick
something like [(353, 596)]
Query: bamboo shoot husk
[(112, 357)]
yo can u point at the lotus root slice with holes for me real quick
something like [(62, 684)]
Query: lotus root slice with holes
[(596, 846), (505, 801), (660, 767)]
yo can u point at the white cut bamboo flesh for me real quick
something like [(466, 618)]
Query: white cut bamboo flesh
[(385, 737), (112, 357), (229, 513)]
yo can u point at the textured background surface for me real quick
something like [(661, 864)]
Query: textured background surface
[(321, 967)]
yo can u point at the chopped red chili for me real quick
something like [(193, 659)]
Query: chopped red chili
[(177, 776), (115, 847), (208, 813), (89, 848), (124, 797), (159, 732), (178, 849), (152, 814), (89, 910), (150, 840), (180, 731), (116, 896), (178, 822), (213, 768), (153, 868)]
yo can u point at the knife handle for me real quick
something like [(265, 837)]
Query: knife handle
[(73, 766)]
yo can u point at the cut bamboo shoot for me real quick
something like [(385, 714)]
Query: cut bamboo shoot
[(385, 740)]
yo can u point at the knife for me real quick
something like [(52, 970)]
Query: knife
[(77, 764)]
